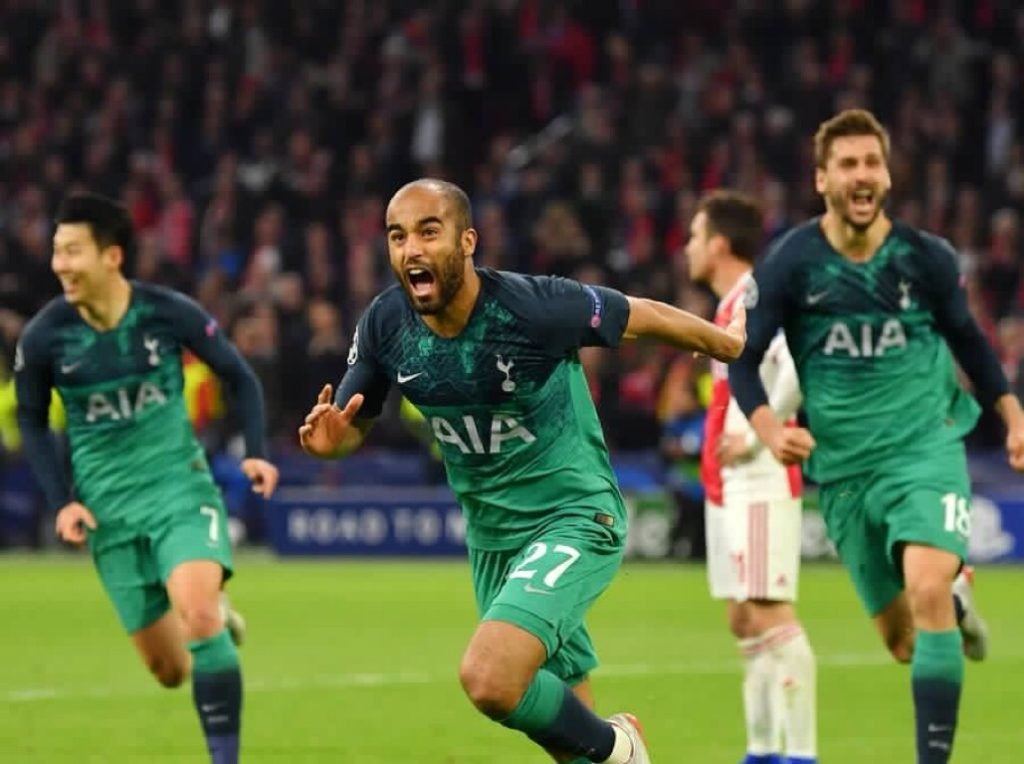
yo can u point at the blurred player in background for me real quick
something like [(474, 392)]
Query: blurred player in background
[(753, 506), (491, 359), (871, 309), (143, 498)]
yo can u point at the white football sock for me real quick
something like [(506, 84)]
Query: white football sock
[(797, 676), (761, 697)]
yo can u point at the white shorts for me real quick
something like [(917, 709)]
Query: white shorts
[(753, 549)]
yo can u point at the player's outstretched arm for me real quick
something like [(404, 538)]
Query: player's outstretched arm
[(681, 329), (330, 432)]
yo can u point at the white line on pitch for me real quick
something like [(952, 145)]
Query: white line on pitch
[(370, 679)]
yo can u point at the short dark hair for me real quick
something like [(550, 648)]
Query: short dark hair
[(109, 222), (738, 218), (453, 193), (851, 122)]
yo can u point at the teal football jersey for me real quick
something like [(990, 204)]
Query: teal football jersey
[(870, 344), (507, 399), (132, 444)]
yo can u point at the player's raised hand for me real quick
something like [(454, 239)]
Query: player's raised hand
[(72, 521), (791, 445), (326, 425), (262, 474)]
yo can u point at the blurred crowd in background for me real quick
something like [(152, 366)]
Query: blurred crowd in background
[(256, 144)]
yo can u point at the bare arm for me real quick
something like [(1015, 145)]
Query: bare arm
[(676, 327)]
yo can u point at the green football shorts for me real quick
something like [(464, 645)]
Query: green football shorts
[(921, 497), (547, 586), (135, 561)]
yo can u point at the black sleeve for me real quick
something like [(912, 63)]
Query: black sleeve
[(767, 301), (954, 320), (33, 381), (364, 374), (569, 315), (199, 332)]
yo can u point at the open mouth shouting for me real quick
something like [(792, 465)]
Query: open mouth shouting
[(71, 286), (422, 282), (863, 201)]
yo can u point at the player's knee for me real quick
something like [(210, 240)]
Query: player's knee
[(743, 620), (201, 621), (489, 689), (930, 597), (168, 672), (738, 622)]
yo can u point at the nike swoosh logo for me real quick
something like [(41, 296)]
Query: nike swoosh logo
[(531, 589), (403, 378), (67, 368), (939, 727), (208, 707), (816, 297)]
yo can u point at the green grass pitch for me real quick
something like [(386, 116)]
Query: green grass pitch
[(356, 662)]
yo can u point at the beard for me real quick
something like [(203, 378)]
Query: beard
[(449, 278), (841, 203)]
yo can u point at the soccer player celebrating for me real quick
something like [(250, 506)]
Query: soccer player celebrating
[(491, 359), (753, 505), (875, 313), (144, 499)]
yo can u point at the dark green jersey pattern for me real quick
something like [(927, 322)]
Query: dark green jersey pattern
[(507, 399), (869, 342), (132, 445)]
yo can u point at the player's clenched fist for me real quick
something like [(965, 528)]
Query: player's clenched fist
[(72, 521), (791, 445), (326, 426)]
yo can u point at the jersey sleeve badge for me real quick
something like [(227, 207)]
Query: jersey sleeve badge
[(751, 294)]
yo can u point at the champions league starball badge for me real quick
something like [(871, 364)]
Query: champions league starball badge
[(750, 294)]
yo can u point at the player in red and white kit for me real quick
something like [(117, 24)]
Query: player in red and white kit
[(753, 505)]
